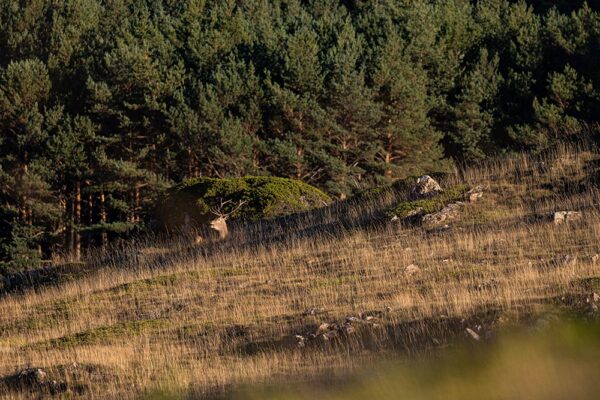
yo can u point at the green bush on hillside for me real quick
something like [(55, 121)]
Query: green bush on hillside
[(264, 197)]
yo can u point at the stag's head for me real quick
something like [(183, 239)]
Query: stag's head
[(219, 224)]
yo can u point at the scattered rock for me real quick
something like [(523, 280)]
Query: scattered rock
[(595, 258), (561, 217), (324, 327), (426, 187), (34, 376), (474, 335), (328, 331), (449, 212), (349, 329), (56, 380), (411, 270), (313, 311), (332, 334), (301, 340), (474, 194)]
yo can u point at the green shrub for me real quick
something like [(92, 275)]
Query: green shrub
[(265, 197)]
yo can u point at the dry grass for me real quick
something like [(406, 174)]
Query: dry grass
[(199, 321)]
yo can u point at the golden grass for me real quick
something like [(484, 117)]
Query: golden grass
[(198, 321)]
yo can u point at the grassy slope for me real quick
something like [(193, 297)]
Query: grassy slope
[(200, 321)]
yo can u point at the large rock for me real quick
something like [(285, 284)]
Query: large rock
[(450, 211), (426, 187)]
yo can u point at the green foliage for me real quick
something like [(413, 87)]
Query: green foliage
[(16, 249), (103, 105), (264, 197)]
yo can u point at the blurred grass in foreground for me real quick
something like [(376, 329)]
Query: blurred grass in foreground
[(562, 362)]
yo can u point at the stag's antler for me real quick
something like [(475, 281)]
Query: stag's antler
[(218, 211)]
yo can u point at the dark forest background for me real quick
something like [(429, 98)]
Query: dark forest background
[(105, 103)]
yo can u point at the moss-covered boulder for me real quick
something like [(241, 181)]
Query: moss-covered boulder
[(263, 197)]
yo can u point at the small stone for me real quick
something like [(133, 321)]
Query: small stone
[(561, 217), (349, 329), (411, 270), (301, 340), (475, 194), (474, 335), (595, 258), (324, 327), (330, 335), (312, 311)]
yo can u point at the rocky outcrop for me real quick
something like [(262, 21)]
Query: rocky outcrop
[(429, 204), (426, 187), (69, 379), (330, 331), (448, 212)]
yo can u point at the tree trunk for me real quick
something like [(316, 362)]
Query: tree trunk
[(71, 235), (23, 199), (136, 211), (388, 161), (90, 203), (62, 228), (104, 239), (77, 243)]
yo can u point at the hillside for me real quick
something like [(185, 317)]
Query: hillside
[(106, 105), (316, 297)]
